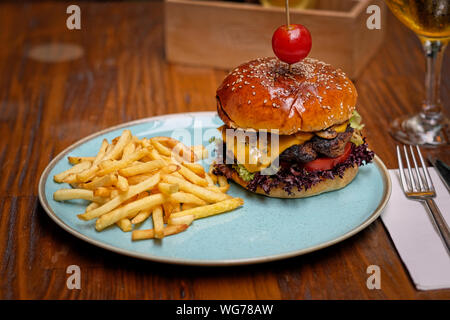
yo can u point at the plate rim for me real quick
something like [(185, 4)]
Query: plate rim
[(387, 189)]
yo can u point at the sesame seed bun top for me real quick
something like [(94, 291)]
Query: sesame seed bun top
[(264, 94)]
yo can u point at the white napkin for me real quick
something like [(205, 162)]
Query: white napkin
[(411, 229)]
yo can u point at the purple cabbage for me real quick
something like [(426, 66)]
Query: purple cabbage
[(293, 175)]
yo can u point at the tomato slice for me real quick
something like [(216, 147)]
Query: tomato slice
[(322, 164)]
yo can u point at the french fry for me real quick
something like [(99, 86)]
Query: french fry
[(217, 189), (167, 188), (142, 168), (117, 151), (184, 197), (102, 192), (138, 179), (128, 149), (114, 194), (178, 175), (171, 168), (145, 143), (105, 181), (196, 168), (187, 206), (77, 160), (122, 184), (74, 170), (186, 152), (141, 217), (92, 206), (154, 155), (114, 141), (202, 193), (88, 174), (143, 194), (223, 183), (111, 166), (125, 224), (161, 148), (158, 223), (70, 194), (119, 199), (212, 209), (71, 179), (145, 159), (176, 207), (166, 153), (209, 180), (123, 212), (181, 220), (150, 233), (102, 152), (167, 209), (192, 177)]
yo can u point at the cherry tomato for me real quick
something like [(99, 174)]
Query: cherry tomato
[(322, 164), (291, 43)]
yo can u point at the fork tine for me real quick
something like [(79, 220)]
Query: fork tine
[(411, 176), (401, 170), (426, 173), (416, 167)]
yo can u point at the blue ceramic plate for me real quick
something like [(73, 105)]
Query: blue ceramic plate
[(264, 229)]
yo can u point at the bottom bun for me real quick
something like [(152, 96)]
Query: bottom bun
[(321, 187)]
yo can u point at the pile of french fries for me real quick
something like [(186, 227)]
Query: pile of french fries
[(132, 179)]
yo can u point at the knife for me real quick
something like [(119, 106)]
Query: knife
[(442, 169)]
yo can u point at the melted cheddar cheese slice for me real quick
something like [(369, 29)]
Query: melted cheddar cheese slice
[(256, 154)]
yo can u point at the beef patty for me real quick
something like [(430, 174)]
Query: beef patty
[(318, 146)]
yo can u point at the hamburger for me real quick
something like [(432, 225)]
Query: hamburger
[(308, 109)]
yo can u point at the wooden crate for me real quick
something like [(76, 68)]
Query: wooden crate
[(223, 34)]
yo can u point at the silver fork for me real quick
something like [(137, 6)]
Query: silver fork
[(420, 187)]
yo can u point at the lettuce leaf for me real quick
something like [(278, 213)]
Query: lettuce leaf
[(356, 139), (243, 172), (355, 121)]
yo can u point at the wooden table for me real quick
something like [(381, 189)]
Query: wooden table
[(122, 76)]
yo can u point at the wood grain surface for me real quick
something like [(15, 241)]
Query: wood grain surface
[(121, 76), (341, 36)]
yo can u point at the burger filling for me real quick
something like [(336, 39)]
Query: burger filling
[(304, 159)]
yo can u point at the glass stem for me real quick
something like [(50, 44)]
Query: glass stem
[(434, 52)]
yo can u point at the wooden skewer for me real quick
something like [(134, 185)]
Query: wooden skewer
[(288, 22)]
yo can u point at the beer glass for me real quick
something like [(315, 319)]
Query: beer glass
[(430, 20)]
